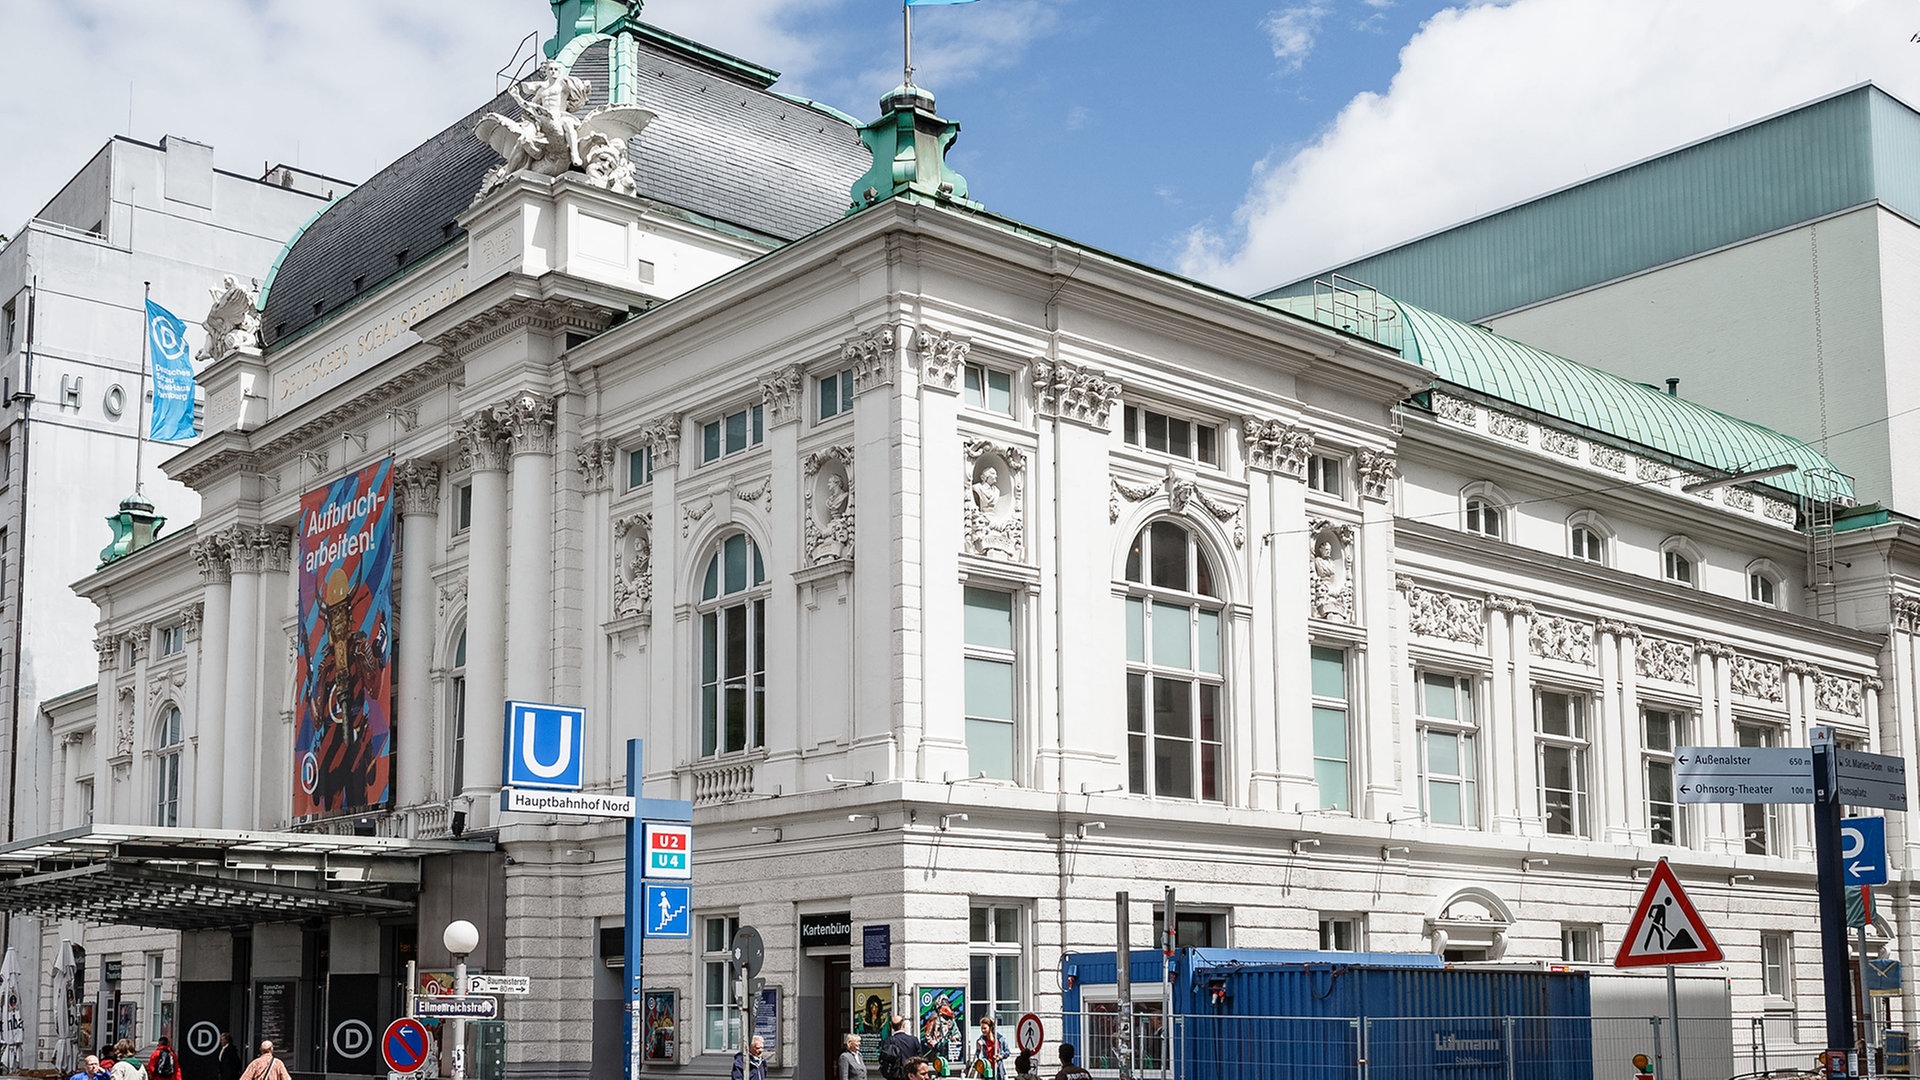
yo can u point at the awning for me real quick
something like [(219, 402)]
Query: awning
[(194, 879)]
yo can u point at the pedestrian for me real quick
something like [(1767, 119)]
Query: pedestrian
[(1023, 1067), (917, 1068), (266, 1066), (1069, 1069), (90, 1069), (852, 1065), (163, 1064), (989, 1051), (899, 1047), (227, 1058), (126, 1061), (751, 1062)]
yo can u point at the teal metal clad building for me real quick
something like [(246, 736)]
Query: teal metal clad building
[(1858, 147)]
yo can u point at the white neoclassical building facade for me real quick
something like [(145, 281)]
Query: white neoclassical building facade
[(959, 575)]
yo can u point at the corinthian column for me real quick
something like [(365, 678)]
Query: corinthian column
[(527, 419), (209, 714), (418, 483), (246, 550), (482, 440)]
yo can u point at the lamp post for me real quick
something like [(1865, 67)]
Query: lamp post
[(460, 938)]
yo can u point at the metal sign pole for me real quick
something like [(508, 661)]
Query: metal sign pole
[(1673, 1014), (1833, 896), (636, 829)]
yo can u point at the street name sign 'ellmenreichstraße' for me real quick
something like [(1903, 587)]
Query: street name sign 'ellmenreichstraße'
[(1743, 774)]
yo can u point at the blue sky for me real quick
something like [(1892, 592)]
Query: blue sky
[(1239, 141)]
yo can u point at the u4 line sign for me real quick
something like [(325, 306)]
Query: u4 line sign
[(1743, 774)]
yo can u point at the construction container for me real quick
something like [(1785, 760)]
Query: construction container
[(1264, 1013)]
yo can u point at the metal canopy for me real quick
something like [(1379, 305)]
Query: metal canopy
[(192, 879)]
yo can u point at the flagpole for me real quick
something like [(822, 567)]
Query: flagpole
[(140, 411), (906, 10)]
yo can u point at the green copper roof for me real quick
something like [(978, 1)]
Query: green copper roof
[(1502, 368)]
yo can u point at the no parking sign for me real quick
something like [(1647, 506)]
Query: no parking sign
[(405, 1044)]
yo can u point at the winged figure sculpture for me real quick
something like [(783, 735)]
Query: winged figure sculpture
[(550, 138)]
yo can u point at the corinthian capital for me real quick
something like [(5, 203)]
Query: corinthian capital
[(419, 485), (483, 442), (595, 458), (212, 557), (527, 420)]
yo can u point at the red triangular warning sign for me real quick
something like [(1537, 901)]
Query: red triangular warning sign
[(1665, 928)]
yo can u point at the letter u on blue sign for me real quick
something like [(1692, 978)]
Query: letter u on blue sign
[(543, 746)]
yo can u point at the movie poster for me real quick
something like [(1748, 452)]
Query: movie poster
[(343, 730), (663, 1028), (943, 1022), (872, 1017)]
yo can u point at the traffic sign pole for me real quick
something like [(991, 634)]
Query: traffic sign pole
[(636, 852), (1833, 897)]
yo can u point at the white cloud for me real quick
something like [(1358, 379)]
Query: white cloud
[(1493, 104), (1292, 31), (342, 87)]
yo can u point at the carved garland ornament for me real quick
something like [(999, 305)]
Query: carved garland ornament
[(1183, 492)]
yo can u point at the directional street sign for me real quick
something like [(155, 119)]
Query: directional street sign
[(1665, 928), (1744, 774), (1870, 779), (405, 1045), (667, 908), (1863, 851), (466, 1008), (499, 984)]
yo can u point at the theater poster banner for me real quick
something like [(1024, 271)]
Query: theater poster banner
[(343, 733)]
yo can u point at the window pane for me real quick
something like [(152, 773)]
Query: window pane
[(989, 688), (736, 432), (989, 618), (829, 396), (1329, 673), (1209, 642), (1203, 574), (1169, 551), (1443, 753), (758, 415), (979, 976), (1330, 733), (1172, 635), (999, 391), (1211, 761), (1156, 431), (735, 551), (710, 441), (976, 390), (1331, 776), (1136, 629), (977, 924), (990, 748), (1443, 803), (1179, 438), (1173, 708), (1554, 718), (846, 390), (1438, 699), (1206, 450)]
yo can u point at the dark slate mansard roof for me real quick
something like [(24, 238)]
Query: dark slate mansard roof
[(719, 146)]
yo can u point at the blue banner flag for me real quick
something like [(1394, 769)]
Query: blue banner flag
[(172, 376)]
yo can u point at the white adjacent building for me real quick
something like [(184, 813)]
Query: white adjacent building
[(960, 576)]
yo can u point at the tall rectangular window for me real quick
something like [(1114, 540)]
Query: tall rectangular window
[(1332, 742), (990, 682), (732, 433), (7, 323), (720, 1019), (639, 467), (1760, 822), (173, 639), (994, 960), (1776, 968), (462, 507), (989, 389), (836, 394), (1664, 731), (1167, 434), (1561, 739), (1449, 760)]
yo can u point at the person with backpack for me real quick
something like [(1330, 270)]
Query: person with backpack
[(163, 1063), (126, 1064), (897, 1048), (1069, 1068)]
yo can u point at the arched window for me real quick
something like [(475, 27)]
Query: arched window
[(1484, 511), (1175, 690), (1590, 538), (457, 715), (168, 748), (733, 653), (1764, 580), (1680, 561)]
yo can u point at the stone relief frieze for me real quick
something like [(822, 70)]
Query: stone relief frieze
[(633, 566), (782, 393), (1837, 694), (993, 517), (1277, 446), (1758, 679), (1738, 498), (1664, 659), (828, 505), (1606, 457), (123, 723), (1555, 637), (1073, 392), (1509, 427), (1456, 410), (1431, 613), (942, 355), (1905, 609), (1559, 442), (871, 355), (1776, 510), (1653, 470), (1330, 570)]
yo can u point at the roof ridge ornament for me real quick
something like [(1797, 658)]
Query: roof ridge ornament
[(909, 144), (553, 139)]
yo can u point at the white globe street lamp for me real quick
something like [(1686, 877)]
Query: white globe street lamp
[(460, 937)]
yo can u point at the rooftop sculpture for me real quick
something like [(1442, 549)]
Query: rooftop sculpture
[(552, 140)]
